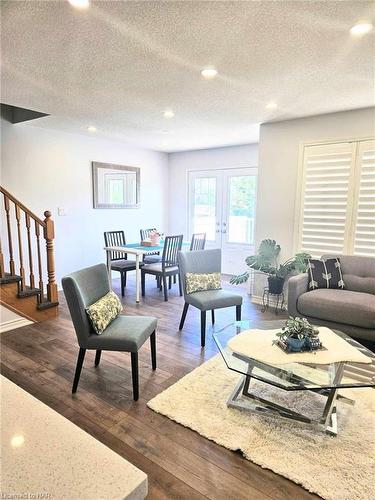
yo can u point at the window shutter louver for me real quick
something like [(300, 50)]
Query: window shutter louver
[(364, 236)]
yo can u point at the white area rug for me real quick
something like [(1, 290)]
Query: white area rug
[(340, 467)]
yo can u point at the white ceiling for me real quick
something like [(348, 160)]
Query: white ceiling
[(118, 65)]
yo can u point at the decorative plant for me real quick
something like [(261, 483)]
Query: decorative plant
[(298, 328), (266, 261)]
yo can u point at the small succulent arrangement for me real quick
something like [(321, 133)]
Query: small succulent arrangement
[(299, 334)]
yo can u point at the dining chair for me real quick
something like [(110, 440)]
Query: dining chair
[(198, 241), (152, 257), (119, 260), (167, 268), (125, 333), (205, 261)]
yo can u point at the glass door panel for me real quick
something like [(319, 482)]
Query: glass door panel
[(204, 206), (241, 209)]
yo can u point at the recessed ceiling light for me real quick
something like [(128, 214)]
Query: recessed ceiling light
[(361, 28), (271, 105), (17, 441), (91, 128), (79, 4), (209, 73), (168, 113)]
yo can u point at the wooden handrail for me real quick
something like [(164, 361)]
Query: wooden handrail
[(22, 206)]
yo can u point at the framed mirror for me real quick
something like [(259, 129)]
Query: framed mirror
[(115, 186)]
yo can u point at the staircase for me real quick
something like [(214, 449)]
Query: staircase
[(20, 289)]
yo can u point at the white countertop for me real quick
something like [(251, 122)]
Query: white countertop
[(46, 455)]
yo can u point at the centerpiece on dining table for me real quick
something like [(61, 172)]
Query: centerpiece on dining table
[(298, 335), (153, 240)]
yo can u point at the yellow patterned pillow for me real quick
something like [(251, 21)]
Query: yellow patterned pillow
[(103, 311), (200, 282)]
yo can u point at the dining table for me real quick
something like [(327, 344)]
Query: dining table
[(138, 251)]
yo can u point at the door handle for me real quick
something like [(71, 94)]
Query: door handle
[(224, 231), (218, 230)]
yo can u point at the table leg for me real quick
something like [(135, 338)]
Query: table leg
[(137, 278)]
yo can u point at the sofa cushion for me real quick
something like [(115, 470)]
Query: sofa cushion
[(341, 306)]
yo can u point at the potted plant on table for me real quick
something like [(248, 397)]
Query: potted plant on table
[(298, 334), (266, 261)]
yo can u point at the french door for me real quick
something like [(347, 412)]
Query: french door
[(222, 205)]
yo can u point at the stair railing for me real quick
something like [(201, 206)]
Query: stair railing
[(45, 227)]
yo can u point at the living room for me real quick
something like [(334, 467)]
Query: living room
[(245, 122)]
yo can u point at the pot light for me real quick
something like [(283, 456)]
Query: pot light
[(209, 73), (17, 440), (79, 4), (271, 105), (168, 113), (91, 128), (361, 28)]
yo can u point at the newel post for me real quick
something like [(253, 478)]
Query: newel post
[(49, 235)]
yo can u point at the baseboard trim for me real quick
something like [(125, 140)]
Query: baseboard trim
[(13, 324)]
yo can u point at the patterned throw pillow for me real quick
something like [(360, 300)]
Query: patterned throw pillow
[(102, 312), (200, 282), (325, 274)]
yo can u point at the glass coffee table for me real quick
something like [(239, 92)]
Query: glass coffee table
[(323, 379)]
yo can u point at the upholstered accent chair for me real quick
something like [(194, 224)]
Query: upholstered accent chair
[(119, 260), (351, 310), (205, 261), (125, 333)]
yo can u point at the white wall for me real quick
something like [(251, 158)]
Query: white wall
[(278, 167), (47, 169), (205, 159)]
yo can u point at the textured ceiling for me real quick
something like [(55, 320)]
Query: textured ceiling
[(118, 65)]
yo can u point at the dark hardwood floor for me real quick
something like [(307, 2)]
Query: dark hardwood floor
[(180, 463)]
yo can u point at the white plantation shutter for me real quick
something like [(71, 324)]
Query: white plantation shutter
[(337, 213), (364, 235)]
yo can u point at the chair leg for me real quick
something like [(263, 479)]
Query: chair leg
[(143, 283), (125, 274), (122, 284), (165, 288), (153, 349), (134, 360), (238, 313), (174, 279), (186, 307), (180, 284), (213, 316), (81, 357), (203, 328), (97, 357), (170, 282)]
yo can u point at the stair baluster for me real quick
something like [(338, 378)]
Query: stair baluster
[(32, 279), (40, 270), (20, 252), (9, 231), (2, 269), (49, 235)]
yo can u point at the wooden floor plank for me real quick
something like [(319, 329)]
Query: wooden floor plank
[(180, 463)]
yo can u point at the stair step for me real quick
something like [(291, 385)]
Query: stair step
[(28, 292), (10, 278), (46, 305)]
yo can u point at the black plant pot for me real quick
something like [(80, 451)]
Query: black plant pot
[(275, 285)]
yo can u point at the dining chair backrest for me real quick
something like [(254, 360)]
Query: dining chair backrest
[(145, 233), (201, 261), (83, 288), (115, 239), (198, 241), (172, 246)]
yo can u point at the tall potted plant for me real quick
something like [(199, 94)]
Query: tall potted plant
[(267, 262)]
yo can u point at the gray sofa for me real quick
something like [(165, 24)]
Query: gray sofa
[(351, 310)]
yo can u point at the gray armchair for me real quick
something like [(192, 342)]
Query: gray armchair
[(205, 261), (351, 310), (125, 333)]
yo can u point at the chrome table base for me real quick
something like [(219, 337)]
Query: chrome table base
[(242, 399)]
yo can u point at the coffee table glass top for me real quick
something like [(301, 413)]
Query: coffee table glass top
[(295, 376)]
